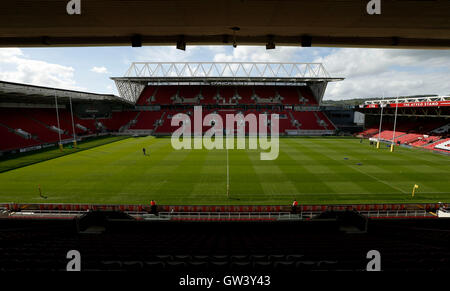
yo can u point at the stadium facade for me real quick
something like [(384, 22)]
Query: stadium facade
[(151, 93), (36, 117), (415, 121)]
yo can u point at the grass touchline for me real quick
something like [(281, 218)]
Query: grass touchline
[(319, 170)]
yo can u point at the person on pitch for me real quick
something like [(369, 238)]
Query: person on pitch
[(294, 206), (153, 209)]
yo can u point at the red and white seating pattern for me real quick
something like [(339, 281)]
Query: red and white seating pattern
[(307, 120), (443, 145), (166, 95), (146, 120), (40, 126), (417, 134), (10, 140)]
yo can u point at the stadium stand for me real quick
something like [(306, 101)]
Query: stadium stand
[(145, 119), (289, 95), (10, 139), (155, 100), (411, 129), (209, 95), (432, 145), (425, 140), (421, 140), (299, 114), (117, 120), (22, 119), (388, 134), (311, 120), (147, 95), (164, 95), (368, 132), (443, 145), (306, 96), (129, 245), (124, 242), (245, 95), (42, 126)]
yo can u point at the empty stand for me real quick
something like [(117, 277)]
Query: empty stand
[(388, 134), (165, 94), (21, 119), (306, 96), (10, 140), (312, 120), (226, 94), (289, 95), (147, 95), (425, 135), (145, 120), (118, 119), (209, 95), (246, 95), (225, 246), (157, 104)]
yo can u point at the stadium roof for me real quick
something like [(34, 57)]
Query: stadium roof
[(410, 99), (400, 24), (412, 102), (140, 74), (15, 92)]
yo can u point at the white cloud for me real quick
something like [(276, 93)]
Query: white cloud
[(110, 89), (16, 67), (257, 54), (368, 72), (389, 84), (374, 72), (168, 54), (217, 54), (359, 62), (100, 70)]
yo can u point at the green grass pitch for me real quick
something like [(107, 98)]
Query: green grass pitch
[(312, 170)]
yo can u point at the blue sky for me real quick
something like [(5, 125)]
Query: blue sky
[(368, 72)]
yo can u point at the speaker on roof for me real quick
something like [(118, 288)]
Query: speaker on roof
[(181, 43), (306, 41), (136, 40)]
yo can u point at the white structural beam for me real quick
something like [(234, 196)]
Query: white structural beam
[(226, 69), (30, 91), (129, 91), (408, 100), (139, 74)]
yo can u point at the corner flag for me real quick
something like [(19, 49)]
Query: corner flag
[(40, 192), (414, 189)]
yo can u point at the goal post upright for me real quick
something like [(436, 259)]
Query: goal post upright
[(381, 122), (57, 121), (395, 125), (228, 175)]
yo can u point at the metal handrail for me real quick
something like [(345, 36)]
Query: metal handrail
[(229, 215), (304, 215)]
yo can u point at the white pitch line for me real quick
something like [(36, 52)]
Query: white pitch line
[(329, 193), (228, 177), (362, 172), (379, 180)]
